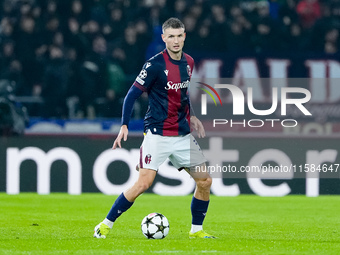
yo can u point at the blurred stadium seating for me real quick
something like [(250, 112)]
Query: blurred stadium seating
[(77, 59)]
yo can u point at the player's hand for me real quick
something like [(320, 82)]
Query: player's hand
[(198, 126), (123, 133)]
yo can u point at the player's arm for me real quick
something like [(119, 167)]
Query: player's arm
[(143, 83), (198, 126), (123, 133), (129, 101), (195, 123)]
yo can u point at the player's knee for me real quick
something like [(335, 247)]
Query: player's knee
[(143, 186), (204, 183), (208, 182)]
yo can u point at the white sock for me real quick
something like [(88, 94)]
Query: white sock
[(108, 223), (196, 228)]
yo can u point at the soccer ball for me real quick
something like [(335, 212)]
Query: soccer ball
[(155, 226)]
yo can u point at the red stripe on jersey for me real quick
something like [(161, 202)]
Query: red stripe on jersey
[(139, 86), (190, 61), (171, 126), (141, 157), (187, 112)]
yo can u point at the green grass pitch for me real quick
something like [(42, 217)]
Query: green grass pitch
[(63, 224)]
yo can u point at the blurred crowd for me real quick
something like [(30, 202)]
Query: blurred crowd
[(81, 56)]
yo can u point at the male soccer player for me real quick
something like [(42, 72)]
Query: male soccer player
[(165, 77)]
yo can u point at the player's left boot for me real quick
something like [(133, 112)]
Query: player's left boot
[(101, 230), (200, 234)]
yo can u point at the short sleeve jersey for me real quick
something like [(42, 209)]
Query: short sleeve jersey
[(167, 82)]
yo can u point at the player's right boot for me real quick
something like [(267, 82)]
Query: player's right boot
[(101, 230), (200, 234)]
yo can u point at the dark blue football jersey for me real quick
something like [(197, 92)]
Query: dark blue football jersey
[(167, 82)]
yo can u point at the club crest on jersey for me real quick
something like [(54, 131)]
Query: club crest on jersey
[(189, 70), (166, 72), (147, 159), (143, 74)]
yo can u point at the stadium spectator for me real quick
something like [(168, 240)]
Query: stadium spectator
[(114, 28), (238, 38), (77, 12), (239, 28), (27, 45), (180, 8), (98, 12), (295, 39), (134, 56), (330, 20), (156, 44), (54, 85), (94, 77), (218, 28), (74, 38), (288, 13), (11, 68), (91, 29), (309, 12), (331, 43), (190, 23), (203, 37), (264, 36), (111, 105), (274, 8), (7, 54), (6, 29), (144, 34)]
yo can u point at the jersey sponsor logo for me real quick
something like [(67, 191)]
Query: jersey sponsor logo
[(147, 159), (140, 81), (189, 70), (143, 74), (177, 86), (147, 65), (166, 72)]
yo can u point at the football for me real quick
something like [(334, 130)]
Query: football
[(155, 226)]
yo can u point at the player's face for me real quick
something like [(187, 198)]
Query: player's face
[(174, 39)]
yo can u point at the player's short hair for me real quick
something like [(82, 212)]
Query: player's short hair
[(172, 23)]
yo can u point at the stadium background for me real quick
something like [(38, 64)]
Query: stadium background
[(69, 63)]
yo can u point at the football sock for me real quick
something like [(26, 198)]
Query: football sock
[(120, 205), (198, 210), (196, 228), (108, 223)]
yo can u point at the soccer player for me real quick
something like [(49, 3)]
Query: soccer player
[(165, 77)]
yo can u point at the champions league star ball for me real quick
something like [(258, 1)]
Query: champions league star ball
[(155, 226)]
